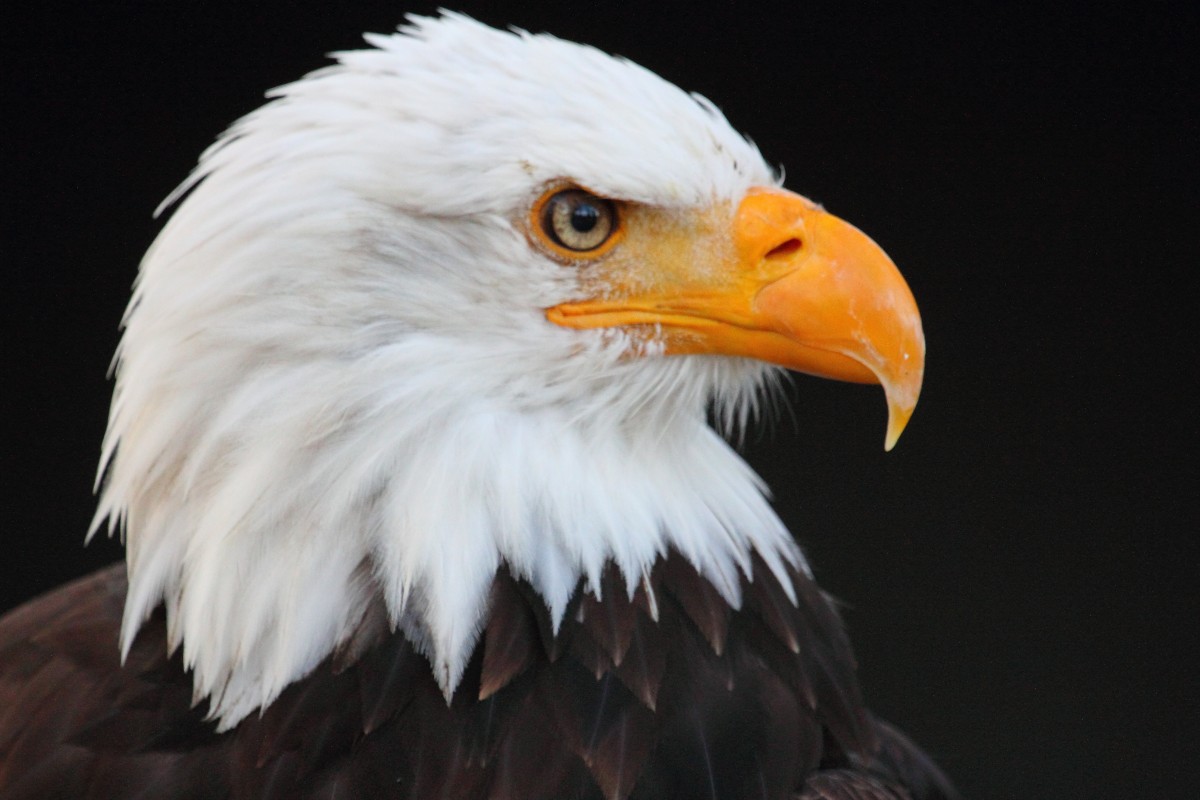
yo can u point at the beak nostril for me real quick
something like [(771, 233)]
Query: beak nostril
[(785, 248)]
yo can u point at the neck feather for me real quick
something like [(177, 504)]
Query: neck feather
[(269, 533)]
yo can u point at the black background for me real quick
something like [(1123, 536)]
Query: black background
[(1021, 572)]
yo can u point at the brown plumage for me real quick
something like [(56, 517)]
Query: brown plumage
[(668, 694)]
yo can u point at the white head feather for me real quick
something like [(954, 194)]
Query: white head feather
[(337, 381)]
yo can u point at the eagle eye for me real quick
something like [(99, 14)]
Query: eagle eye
[(576, 221)]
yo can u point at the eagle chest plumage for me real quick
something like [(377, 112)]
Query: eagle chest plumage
[(670, 694)]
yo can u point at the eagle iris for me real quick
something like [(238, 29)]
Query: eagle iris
[(578, 220)]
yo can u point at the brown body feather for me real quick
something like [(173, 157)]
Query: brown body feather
[(668, 694)]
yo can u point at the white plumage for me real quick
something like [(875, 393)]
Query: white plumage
[(337, 377)]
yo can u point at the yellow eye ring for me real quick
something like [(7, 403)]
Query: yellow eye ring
[(574, 223)]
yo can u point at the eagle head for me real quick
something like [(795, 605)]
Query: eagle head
[(461, 300)]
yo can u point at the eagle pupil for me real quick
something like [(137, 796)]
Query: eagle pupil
[(584, 217)]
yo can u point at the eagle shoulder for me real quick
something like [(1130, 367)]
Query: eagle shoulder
[(668, 692)]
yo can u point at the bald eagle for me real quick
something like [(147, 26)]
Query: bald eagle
[(410, 450)]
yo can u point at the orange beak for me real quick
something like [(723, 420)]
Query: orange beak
[(790, 285)]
